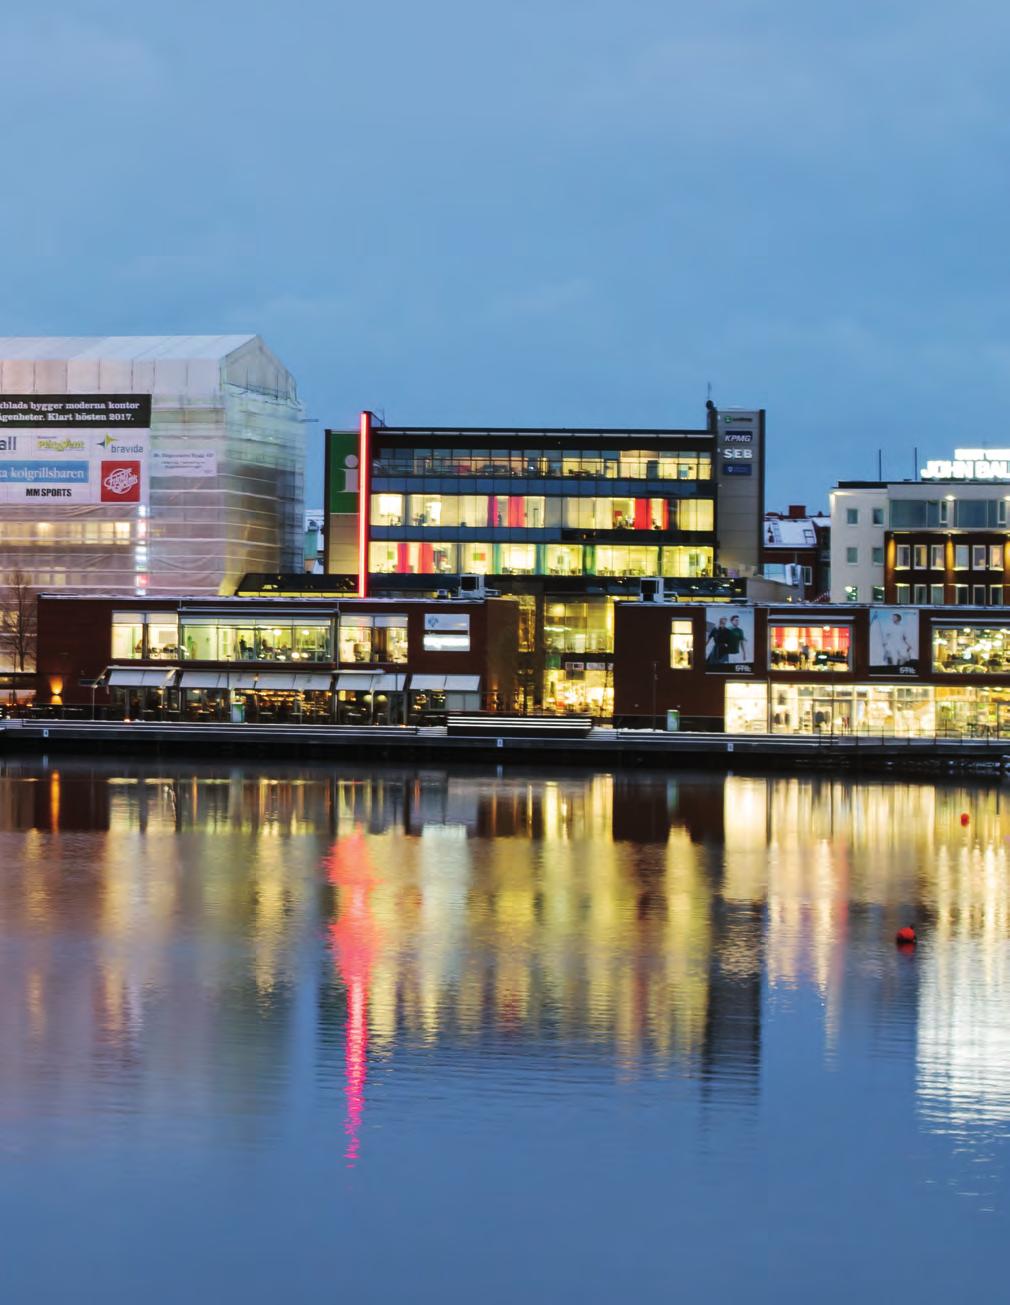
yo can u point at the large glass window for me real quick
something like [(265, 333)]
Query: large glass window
[(151, 635), (564, 559), (972, 649), (695, 514), (586, 627), (809, 647), (369, 637), (681, 645), (517, 559), (746, 708), (634, 559), (686, 562), (476, 558), (387, 509), (211, 639), (411, 557)]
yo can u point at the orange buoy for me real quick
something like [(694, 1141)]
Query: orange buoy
[(905, 935), (965, 817)]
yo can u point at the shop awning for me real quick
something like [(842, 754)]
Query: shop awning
[(462, 684), (388, 683), (292, 682), (242, 680), (135, 677), (356, 681), (204, 680), (427, 683)]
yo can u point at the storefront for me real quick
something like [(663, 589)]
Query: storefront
[(432, 696)]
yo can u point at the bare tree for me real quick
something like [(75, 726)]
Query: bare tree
[(18, 622)]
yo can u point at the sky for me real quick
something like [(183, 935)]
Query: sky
[(558, 212)]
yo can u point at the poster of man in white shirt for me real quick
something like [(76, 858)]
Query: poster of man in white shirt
[(894, 639)]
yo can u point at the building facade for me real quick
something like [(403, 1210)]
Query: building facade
[(796, 548), (795, 669), (347, 661), (148, 464), (569, 521), (940, 540)]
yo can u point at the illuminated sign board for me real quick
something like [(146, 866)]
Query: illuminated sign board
[(970, 464)]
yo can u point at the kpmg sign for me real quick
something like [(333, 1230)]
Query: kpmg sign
[(970, 464), (74, 448)]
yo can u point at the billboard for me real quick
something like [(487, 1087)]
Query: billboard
[(74, 448), (894, 639), (729, 638)]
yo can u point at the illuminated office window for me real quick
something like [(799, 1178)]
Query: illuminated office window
[(681, 645)]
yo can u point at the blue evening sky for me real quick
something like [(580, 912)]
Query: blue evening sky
[(562, 212)]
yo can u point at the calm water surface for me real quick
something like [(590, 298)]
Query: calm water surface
[(303, 1034)]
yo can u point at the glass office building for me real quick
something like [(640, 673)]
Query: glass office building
[(568, 520)]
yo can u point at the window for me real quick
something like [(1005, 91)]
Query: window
[(919, 595), (961, 595), (903, 593), (808, 575), (936, 557), (586, 627), (978, 595), (517, 559), (919, 557), (633, 559), (564, 559), (687, 562), (946, 504), (475, 559), (852, 593), (995, 595), (960, 557), (809, 647), (852, 516), (878, 516), (372, 637), (903, 555), (446, 632), (972, 512), (412, 558), (681, 645), (878, 593), (695, 514), (151, 635), (248, 639), (907, 514), (995, 557), (127, 635), (979, 556), (979, 649), (852, 556), (877, 556), (1001, 512), (936, 595), (387, 509)]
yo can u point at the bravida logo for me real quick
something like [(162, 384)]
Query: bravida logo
[(120, 482)]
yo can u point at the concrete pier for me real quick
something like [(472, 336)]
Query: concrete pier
[(599, 746)]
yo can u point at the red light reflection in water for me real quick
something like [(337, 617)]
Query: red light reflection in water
[(354, 940)]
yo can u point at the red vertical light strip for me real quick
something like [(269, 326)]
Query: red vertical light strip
[(364, 499), (642, 514)]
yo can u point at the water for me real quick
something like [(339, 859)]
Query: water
[(301, 1034)]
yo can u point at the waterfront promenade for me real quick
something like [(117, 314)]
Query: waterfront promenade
[(540, 740)]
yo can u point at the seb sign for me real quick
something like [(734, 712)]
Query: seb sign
[(970, 464), (74, 448)]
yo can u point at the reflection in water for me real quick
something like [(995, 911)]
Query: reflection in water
[(165, 930)]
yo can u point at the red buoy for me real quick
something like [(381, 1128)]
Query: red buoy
[(964, 817), (905, 935)]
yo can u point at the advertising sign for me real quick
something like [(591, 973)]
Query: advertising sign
[(446, 632), (729, 638), (74, 448), (894, 639), (195, 463), (343, 469)]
